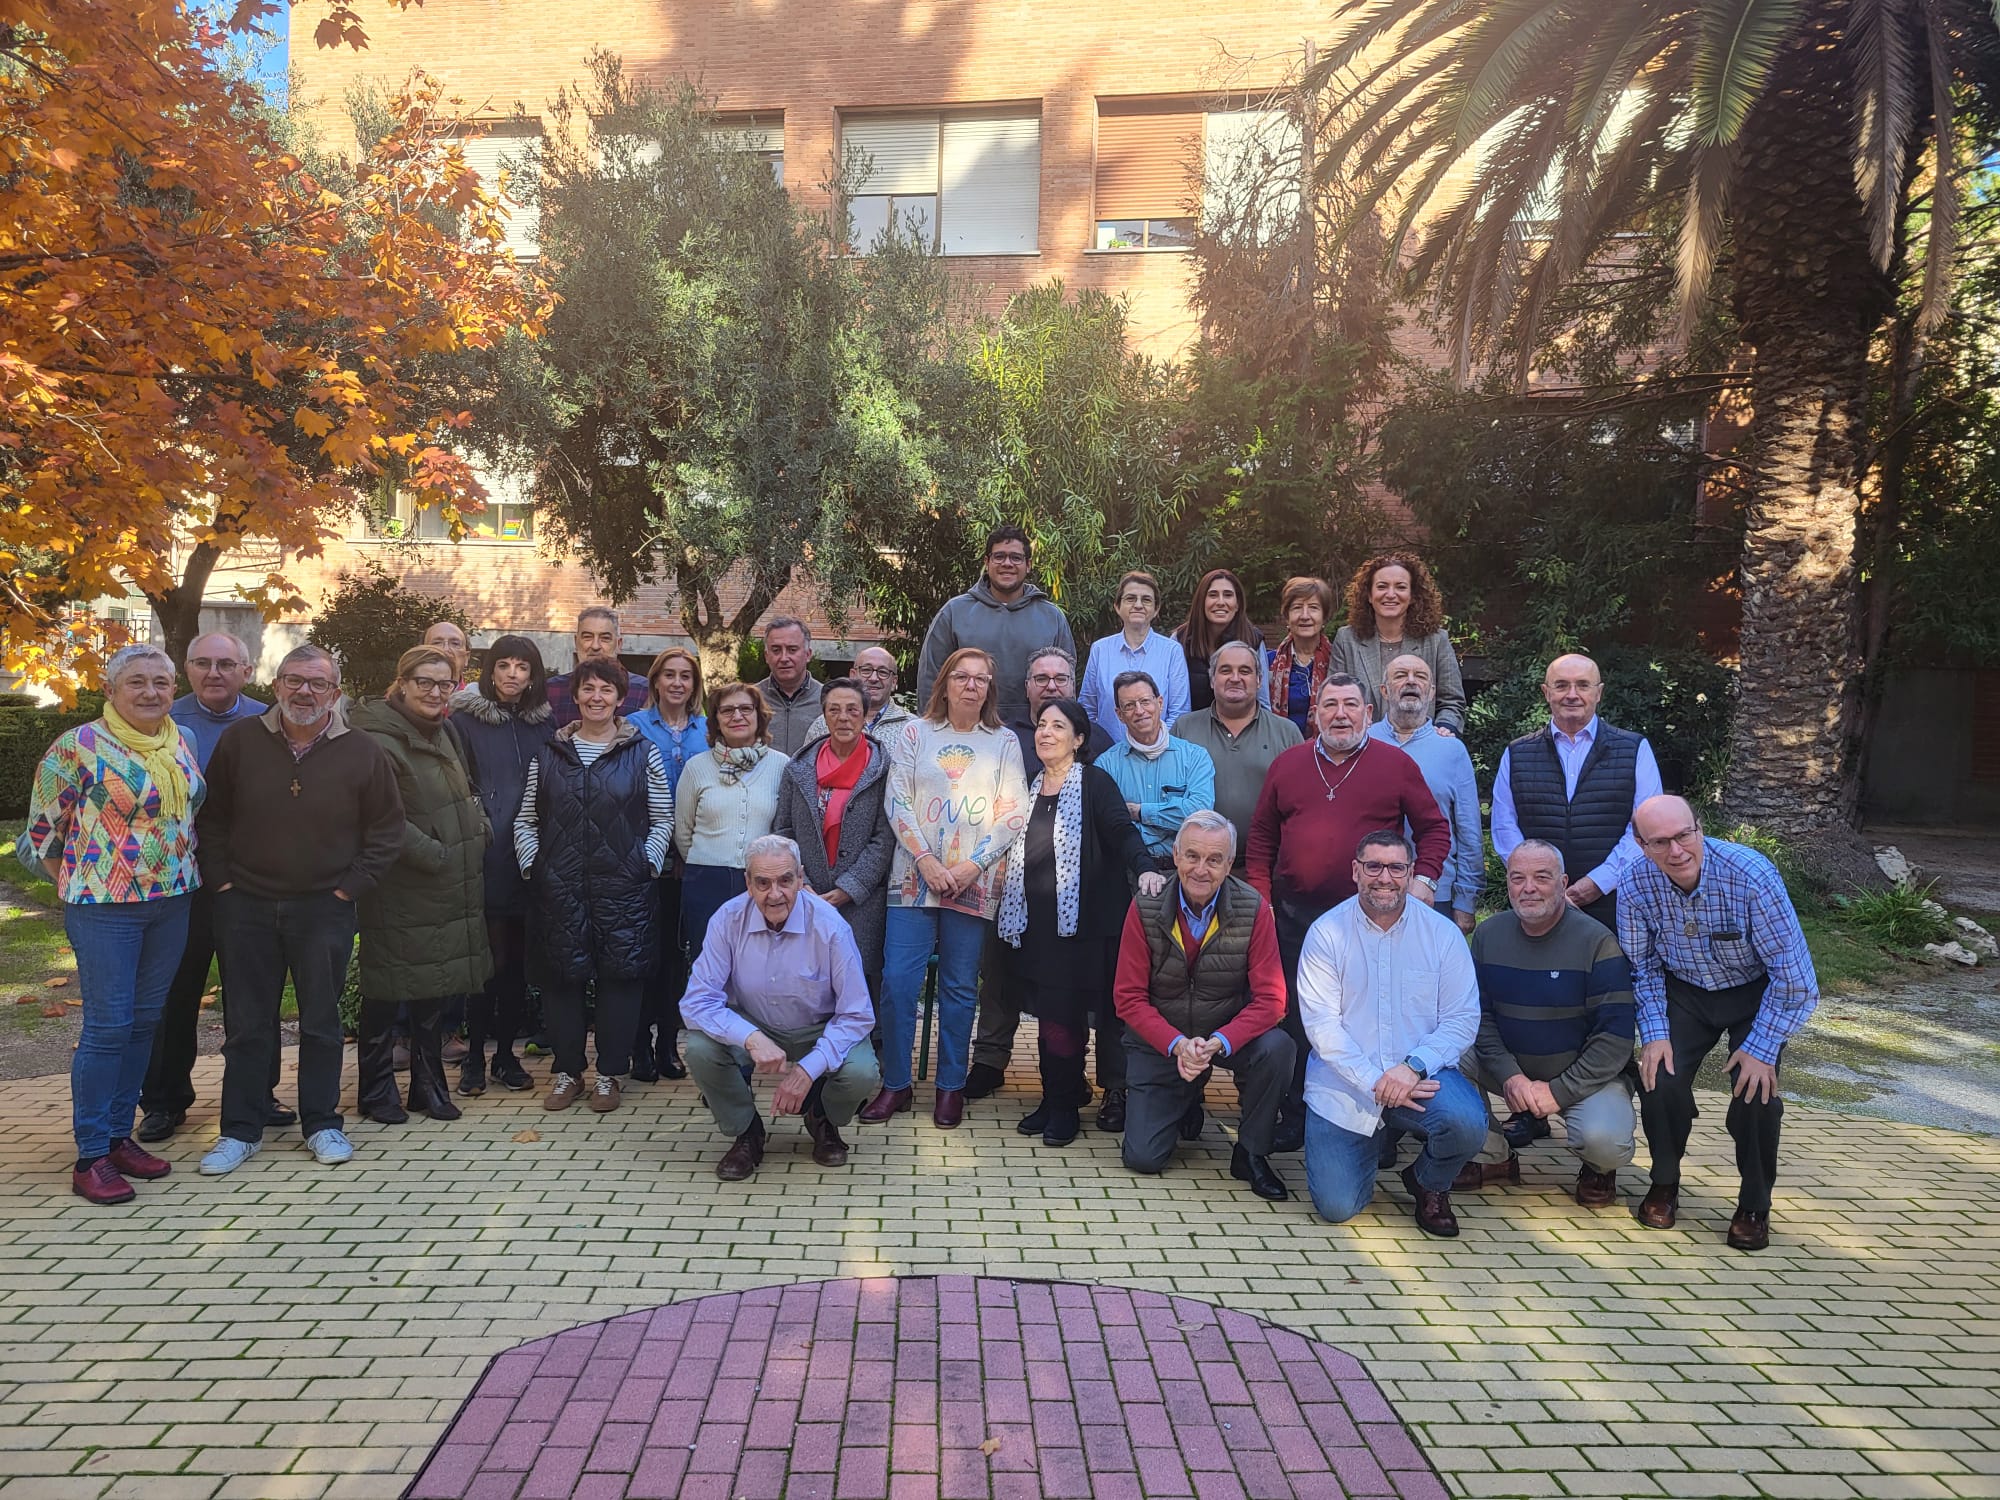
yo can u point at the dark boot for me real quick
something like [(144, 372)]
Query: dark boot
[(376, 1094), (667, 1053), (644, 1069), (428, 1090)]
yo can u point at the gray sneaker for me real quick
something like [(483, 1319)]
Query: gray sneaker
[(227, 1154), (329, 1147)]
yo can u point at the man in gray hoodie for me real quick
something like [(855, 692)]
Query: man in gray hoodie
[(1003, 615)]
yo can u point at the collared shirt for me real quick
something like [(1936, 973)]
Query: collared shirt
[(802, 974), (1240, 761), (1573, 750), (1447, 768), (1370, 998), (1160, 657), (1737, 925), (204, 725), (676, 746), (1166, 787)]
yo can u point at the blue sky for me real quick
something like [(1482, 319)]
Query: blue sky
[(266, 56)]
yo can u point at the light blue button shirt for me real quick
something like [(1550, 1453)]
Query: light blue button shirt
[(1572, 751), (1447, 768), (1167, 787), (1160, 657)]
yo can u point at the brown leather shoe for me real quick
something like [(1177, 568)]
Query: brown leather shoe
[(886, 1105), (829, 1150), (606, 1096), (1660, 1207), (1475, 1175), (135, 1161), (744, 1156), (101, 1183), (1434, 1215), (1596, 1189), (564, 1090), (949, 1109), (1750, 1231)]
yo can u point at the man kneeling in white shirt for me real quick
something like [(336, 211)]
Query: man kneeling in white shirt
[(779, 988), (1390, 1002)]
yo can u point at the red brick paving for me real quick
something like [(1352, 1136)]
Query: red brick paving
[(895, 1389)]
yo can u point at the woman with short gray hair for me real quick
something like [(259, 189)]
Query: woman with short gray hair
[(111, 822)]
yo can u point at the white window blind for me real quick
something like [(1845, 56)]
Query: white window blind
[(992, 177), (744, 135), (493, 156), (902, 153)]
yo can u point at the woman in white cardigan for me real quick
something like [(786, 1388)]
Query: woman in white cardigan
[(725, 799)]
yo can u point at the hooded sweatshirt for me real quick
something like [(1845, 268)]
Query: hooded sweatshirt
[(1010, 633)]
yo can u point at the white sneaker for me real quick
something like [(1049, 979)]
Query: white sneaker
[(329, 1147), (227, 1154)]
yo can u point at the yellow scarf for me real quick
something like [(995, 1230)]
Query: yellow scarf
[(157, 753)]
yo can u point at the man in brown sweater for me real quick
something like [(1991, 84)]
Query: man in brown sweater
[(302, 816)]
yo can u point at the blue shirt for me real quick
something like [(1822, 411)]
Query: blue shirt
[(1572, 751), (204, 726), (1447, 769), (1167, 787), (806, 973), (677, 746), (1737, 925), (1160, 657)]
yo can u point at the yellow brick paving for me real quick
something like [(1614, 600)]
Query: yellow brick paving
[(300, 1331)]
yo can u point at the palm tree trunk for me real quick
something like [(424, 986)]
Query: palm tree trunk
[(1808, 299)]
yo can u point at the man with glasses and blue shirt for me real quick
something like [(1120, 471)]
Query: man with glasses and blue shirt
[(1716, 951), (303, 816)]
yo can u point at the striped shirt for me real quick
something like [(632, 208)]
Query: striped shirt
[(1555, 1008), (1736, 926), (659, 807)]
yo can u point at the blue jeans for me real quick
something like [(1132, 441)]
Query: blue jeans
[(1341, 1164), (913, 933), (126, 955)]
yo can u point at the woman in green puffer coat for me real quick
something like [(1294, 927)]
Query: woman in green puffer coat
[(423, 929)]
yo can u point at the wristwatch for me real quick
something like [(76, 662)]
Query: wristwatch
[(1417, 1068), (1429, 884)]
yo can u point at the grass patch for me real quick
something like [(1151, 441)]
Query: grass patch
[(1900, 917)]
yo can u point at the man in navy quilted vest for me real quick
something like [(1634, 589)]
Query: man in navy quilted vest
[(1575, 785)]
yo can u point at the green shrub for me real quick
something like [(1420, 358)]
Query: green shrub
[(25, 736), (370, 619), (1900, 917)]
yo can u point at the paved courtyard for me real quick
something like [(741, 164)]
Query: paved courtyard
[(301, 1331)]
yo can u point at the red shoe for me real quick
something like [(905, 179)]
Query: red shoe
[(101, 1183), (949, 1109), (134, 1160), (886, 1105)]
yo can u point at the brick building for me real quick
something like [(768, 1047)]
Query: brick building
[(1030, 138)]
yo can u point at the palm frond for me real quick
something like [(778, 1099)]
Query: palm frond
[(1733, 61), (1359, 24), (1505, 42), (1701, 233), (1627, 40), (1941, 244), (1886, 117)]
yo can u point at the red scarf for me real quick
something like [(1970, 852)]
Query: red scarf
[(837, 779), (1316, 675)]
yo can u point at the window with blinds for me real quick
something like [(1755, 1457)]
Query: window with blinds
[(759, 136), (960, 184), (499, 157), (1148, 165)]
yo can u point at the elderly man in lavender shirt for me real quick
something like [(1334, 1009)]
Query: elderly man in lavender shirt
[(779, 988)]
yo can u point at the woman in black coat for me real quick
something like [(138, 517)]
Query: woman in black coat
[(1063, 909), (501, 723)]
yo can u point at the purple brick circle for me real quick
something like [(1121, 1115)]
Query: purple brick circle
[(926, 1388)]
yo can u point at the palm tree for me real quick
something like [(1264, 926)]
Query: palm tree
[(1515, 138)]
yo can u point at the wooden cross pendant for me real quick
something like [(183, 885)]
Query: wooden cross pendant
[(295, 786)]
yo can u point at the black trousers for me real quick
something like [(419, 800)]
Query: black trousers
[(660, 999), (169, 1082), (1696, 1020), (1293, 923), (1159, 1097), (498, 1012), (617, 1022), (262, 940)]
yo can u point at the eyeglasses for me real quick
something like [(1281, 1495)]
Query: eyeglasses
[(213, 664), (874, 671), (429, 687), (1017, 559), (1133, 705), (972, 679), (1687, 838), (737, 711), (1048, 679), (291, 682), (1375, 867)]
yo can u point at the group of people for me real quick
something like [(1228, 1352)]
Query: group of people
[(1188, 853)]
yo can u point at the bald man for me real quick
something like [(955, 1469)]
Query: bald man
[(875, 669), (1716, 952), (1574, 785)]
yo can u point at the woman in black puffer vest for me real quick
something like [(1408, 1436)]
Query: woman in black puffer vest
[(596, 822), (501, 723)]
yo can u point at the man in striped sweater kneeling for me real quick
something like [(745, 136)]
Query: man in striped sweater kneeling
[(1556, 1021)]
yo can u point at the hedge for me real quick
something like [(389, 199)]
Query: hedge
[(25, 736)]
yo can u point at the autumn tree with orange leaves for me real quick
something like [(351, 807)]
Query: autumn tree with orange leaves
[(202, 344)]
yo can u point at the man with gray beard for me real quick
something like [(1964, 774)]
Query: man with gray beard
[(302, 817)]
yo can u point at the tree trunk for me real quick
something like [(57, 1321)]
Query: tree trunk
[(1808, 298), (718, 637), (179, 608)]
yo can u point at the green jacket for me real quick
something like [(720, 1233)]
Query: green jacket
[(423, 928)]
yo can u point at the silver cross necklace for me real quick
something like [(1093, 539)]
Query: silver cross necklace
[(1333, 788)]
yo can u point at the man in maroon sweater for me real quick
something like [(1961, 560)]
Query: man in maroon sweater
[(1320, 799), (1199, 986)]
